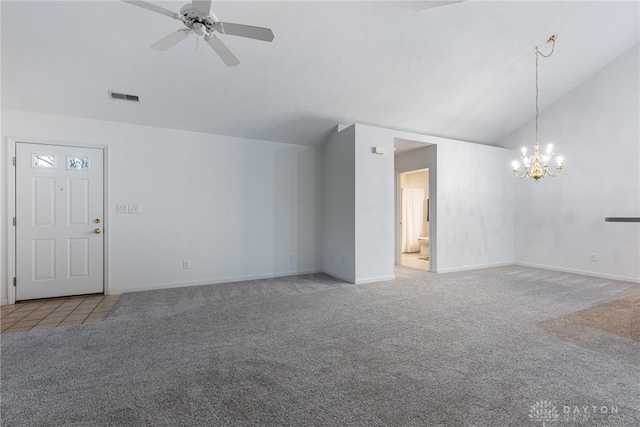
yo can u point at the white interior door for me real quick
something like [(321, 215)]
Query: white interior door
[(59, 221)]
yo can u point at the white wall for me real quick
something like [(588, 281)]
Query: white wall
[(236, 207), (560, 221), (374, 206), (358, 243), (339, 189), (471, 193), (475, 206)]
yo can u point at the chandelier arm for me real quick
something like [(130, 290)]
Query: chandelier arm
[(559, 169), (525, 173)]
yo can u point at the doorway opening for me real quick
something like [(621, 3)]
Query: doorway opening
[(414, 206)]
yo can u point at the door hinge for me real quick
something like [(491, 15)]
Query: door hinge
[(14, 221), (14, 281), (14, 161)]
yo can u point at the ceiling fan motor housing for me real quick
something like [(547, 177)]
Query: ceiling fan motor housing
[(197, 21)]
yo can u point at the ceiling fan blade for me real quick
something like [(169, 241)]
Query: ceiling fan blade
[(171, 40), (248, 31), (203, 6), (222, 50), (153, 8)]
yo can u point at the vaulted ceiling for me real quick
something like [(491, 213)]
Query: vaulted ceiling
[(464, 70)]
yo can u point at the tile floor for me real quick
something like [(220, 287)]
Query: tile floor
[(49, 313), (413, 260)]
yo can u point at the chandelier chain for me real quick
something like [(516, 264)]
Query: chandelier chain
[(538, 54)]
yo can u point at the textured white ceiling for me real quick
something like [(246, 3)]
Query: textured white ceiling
[(464, 70)]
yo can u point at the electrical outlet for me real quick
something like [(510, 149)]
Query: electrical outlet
[(121, 208), (134, 209), (593, 258), (291, 257), (342, 260), (480, 251), (186, 264)]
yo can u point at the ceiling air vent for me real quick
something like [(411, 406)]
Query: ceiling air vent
[(124, 96)]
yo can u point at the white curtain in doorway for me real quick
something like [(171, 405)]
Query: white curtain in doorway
[(412, 217)]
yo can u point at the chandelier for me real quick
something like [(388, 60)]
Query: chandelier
[(536, 165)]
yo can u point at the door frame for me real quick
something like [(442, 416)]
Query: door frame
[(11, 208), (433, 241)]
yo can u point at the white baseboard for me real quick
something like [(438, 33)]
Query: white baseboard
[(473, 267), (338, 276), (375, 279), (208, 282), (359, 282), (582, 272)]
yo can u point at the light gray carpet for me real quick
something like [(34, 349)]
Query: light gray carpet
[(459, 349)]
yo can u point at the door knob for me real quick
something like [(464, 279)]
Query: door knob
[(97, 231)]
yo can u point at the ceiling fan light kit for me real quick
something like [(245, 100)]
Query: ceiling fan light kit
[(201, 21)]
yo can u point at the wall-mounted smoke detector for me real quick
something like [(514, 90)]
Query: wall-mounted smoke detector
[(124, 96)]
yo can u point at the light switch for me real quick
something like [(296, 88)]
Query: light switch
[(120, 208), (134, 209)]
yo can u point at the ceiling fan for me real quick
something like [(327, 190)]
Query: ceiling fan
[(201, 21)]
